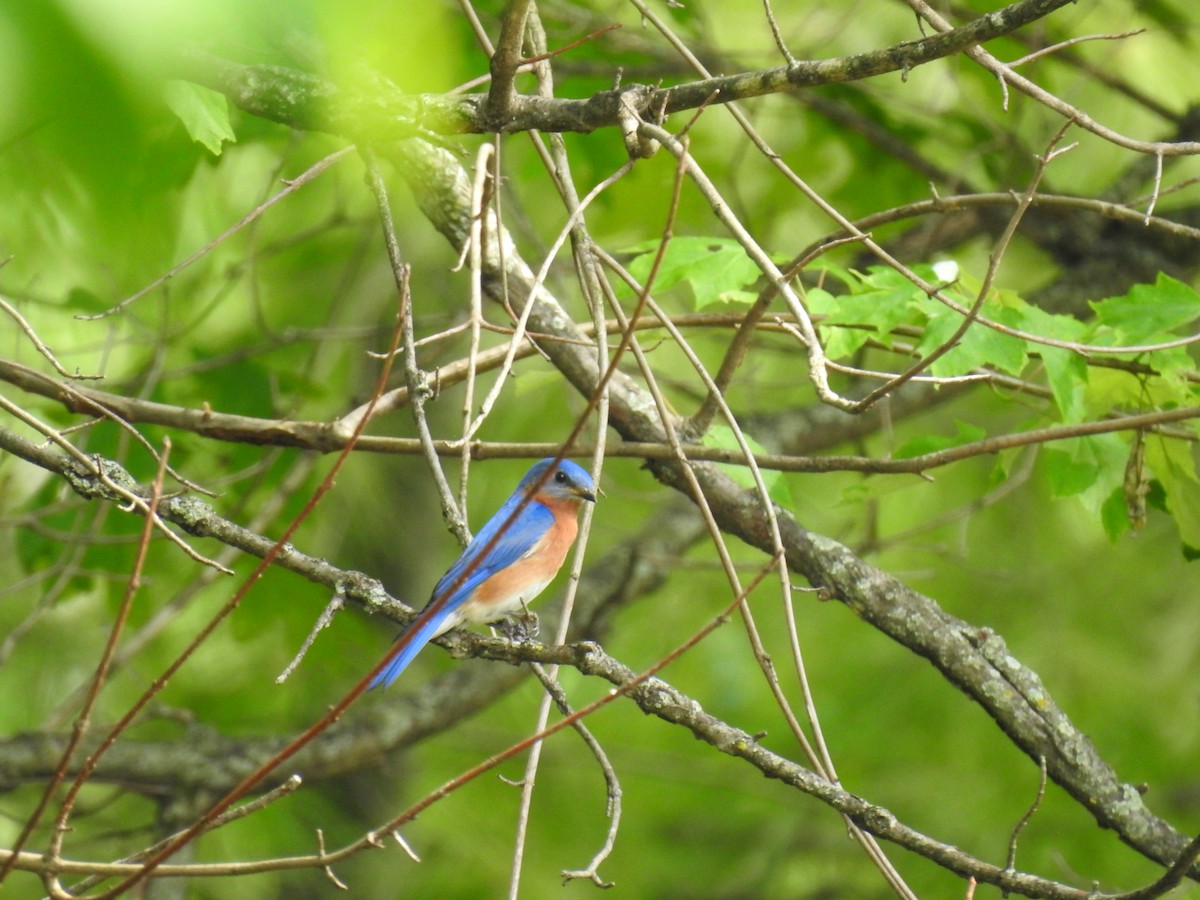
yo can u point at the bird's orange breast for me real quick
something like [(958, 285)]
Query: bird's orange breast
[(516, 585)]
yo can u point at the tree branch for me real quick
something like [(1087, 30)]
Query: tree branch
[(970, 658), (309, 103)]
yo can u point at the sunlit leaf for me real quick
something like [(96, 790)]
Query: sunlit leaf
[(1077, 464), (978, 347), (873, 314), (716, 269), (204, 113), (1148, 312), (1068, 375)]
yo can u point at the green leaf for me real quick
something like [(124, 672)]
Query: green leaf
[(979, 346), (819, 302), (1067, 375), (1092, 466), (1035, 320), (844, 310), (732, 296), (1005, 460), (1066, 372), (1172, 462), (85, 302), (1114, 515), (1176, 369), (1147, 313), (837, 342), (204, 113), (717, 269), (1171, 385), (722, 437), (829, 267), (1068, 473), (1111, 453), (887, 278), (931, 443), (875, 312)]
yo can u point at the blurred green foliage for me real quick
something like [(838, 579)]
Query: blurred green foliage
[(107, 186)]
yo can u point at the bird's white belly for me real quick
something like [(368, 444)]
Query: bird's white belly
[(503, 605)]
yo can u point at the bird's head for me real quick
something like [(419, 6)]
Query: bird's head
[(566, 481)]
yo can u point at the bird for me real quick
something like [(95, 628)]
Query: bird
[(506, 564)]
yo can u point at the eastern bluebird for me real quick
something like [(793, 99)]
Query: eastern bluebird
[(507, 563)]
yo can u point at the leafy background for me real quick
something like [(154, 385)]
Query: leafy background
[(106, 189)]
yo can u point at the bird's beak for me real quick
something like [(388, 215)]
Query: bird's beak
[(584, 494)]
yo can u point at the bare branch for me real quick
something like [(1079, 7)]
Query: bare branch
[(956, 648), (1007, 76), (306, 102)]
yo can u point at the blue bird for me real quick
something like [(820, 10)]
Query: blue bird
[(518, 565)]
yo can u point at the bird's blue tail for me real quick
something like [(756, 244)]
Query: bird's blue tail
[(417, 635)]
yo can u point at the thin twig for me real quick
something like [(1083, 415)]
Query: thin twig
[(816, 356), (292, 185), (327, 869), (1011, 860), (93, 466), (816, 751), (418, 385), (520, 333), (775, 33), (479, 205), (612, 784), (268, 558), (332, 608), (1158, 173), (37, 342), (290, 786), (1007, 76), (1070, 42), (972, 315), (83, 720), (557, 163)]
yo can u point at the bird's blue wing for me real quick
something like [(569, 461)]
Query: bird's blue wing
[(517, 539)]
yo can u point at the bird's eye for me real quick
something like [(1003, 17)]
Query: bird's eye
[(560, 477)]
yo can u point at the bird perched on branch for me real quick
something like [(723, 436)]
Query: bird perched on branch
[(508, 563)]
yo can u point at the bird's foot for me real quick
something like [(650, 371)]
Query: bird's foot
[(517, 628)]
